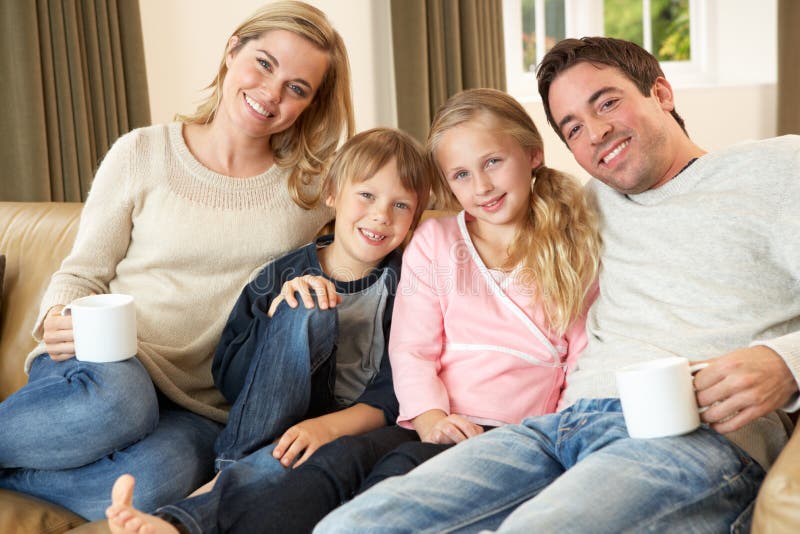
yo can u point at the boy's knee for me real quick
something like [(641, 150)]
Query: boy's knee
[(311, 318)]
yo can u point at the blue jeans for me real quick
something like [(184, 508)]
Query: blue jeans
[(289, 377), (77, 426), (574, 471)]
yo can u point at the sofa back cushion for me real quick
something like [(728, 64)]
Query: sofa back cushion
[(35, 237), (2, 275)]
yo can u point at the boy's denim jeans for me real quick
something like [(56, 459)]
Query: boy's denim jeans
[(77, 426), (574, 471), (289, 379)]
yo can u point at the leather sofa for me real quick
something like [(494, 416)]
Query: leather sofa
[(35, 237)]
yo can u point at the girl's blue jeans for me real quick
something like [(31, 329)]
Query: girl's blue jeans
[(574, 471), (77, 426)]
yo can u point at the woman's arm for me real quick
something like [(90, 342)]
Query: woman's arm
[(102, 241)]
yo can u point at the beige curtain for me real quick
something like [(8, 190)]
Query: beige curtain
[(788, 67), (74, 81), (440, 48)]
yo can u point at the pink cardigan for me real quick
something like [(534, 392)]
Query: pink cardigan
[(462, 344)]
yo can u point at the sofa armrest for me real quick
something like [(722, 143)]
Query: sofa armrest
[(35, 237), (778, 504)]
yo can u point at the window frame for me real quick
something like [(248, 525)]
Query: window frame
[(586, 17)]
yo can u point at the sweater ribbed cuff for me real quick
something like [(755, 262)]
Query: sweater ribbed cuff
[(54, 298), (788, 348)]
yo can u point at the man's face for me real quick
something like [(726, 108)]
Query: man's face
[(621, 137)]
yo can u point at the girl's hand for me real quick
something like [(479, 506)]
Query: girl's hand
[(58, 337), (304, 437), (323, 288), (435, 426)]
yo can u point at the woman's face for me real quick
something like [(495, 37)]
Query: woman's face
[(270, 81)]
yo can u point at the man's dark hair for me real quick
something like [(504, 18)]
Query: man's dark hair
[(636, 63)]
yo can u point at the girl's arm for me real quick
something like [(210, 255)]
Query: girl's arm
[(309, 435), (576, 334), (417, 338)]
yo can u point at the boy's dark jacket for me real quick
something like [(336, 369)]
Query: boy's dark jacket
[(248, 321)]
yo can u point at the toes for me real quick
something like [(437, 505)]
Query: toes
[(122, 492)]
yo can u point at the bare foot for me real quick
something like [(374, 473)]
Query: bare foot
[(205, 488), (123, 518)]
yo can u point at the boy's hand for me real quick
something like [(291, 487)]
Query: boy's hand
[(58, 337), (323, 288), (304, 437)]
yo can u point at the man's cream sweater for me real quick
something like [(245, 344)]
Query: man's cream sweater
[(183, 240)]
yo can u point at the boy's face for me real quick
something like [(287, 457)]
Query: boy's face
[(621, 137), (372, 219)]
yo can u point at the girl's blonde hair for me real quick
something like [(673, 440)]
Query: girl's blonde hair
[(558, 248), (310, 142), (367, 152)]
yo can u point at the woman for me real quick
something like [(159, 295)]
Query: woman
[(179, 216)]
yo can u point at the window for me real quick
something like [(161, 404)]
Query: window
[(673, 30)]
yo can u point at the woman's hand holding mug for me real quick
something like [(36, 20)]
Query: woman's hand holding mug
[(59, 339)]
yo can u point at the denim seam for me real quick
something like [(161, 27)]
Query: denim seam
[(726, 483), (511, 505), (183, 516)]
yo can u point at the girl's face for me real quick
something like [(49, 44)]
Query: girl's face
[(488, 171), (270, 81)]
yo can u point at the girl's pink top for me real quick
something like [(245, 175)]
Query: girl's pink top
[(466, 344)]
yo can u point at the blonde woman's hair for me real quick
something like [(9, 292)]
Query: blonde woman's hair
[(310, 142), (367, 152), (558, 248)]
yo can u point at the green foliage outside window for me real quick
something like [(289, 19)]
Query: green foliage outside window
[(670, 25), (623, 19), (554, 25)]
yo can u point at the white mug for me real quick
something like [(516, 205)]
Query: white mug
[(104, 327), (658, 397)]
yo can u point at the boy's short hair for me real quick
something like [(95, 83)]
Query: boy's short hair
[(366, 153), (636, 63)]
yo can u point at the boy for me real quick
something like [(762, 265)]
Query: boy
[(299, 377)]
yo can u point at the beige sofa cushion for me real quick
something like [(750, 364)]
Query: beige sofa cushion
[(35, 238), (2, 276), (20, 514)]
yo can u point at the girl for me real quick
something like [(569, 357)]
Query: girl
[(491, 304), (179, 216), (488, 319)]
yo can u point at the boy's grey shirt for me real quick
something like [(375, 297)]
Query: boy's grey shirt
[(706, 264)]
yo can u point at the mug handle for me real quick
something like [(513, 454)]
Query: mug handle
[(693, 369), (66, 310)]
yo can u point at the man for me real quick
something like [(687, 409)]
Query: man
[(701, 260)]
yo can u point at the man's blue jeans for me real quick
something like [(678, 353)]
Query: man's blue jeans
[(290, 378), (77, 426), (573, 471)]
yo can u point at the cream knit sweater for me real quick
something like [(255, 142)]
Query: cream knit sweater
[(183, 240)]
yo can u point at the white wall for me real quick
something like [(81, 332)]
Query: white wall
[(184, 41)]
